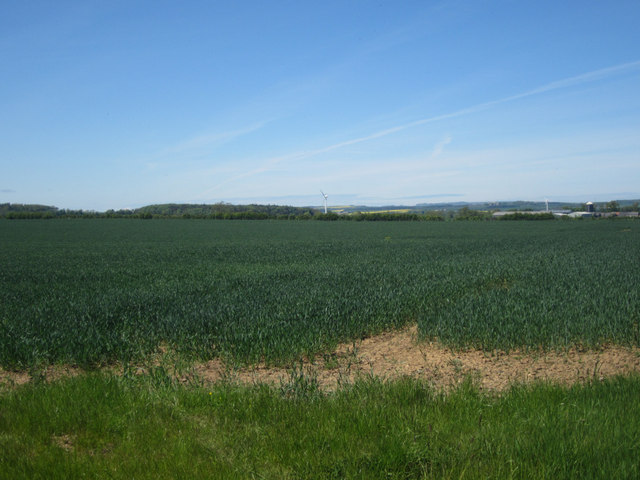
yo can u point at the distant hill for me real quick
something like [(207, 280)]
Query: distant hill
[(198, 210), (521, 206), (256, 211), (217, 210), (19, 207)]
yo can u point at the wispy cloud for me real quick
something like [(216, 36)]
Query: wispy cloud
[(213, 138), (439, 148), (201, 145), (568, 82), (7, 190)]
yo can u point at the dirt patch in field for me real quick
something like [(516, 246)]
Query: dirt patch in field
[(9, 378), (65, 442), (396, 354)]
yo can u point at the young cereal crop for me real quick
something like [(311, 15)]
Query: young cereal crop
[(94, 291)]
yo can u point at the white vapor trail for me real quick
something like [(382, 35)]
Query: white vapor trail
[(556, 85)]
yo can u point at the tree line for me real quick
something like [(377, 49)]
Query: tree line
[(225, 211)]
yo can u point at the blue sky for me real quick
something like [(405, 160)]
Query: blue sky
[(116, 104)]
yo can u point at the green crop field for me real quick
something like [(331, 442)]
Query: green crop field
[(90, 292)]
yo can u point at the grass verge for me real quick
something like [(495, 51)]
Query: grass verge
[(100, 425)]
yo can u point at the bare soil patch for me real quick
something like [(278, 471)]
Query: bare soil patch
[(398, 353), (65, 442), (9, 378)]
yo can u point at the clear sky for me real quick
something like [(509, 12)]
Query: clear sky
[(115, 104)]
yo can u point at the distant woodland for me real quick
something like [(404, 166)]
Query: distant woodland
[(227, 211)]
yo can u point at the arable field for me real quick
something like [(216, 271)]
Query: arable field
[(90, 292), (282, 295)]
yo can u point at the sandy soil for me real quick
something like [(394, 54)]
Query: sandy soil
[(396, 354), (50, 373)]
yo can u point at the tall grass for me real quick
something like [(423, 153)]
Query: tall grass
[(101, 426)]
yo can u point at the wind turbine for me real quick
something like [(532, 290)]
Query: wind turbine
[(325, 200)]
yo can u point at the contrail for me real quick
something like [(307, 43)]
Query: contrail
[(556, 85)]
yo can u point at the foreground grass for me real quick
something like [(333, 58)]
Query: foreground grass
[(99, 425)]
